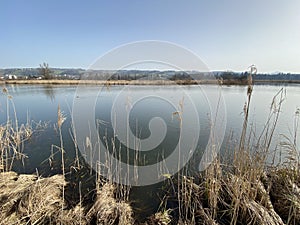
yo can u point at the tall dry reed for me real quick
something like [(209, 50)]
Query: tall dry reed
[(12, 135)]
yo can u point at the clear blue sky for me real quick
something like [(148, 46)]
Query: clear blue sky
[(230, 34)]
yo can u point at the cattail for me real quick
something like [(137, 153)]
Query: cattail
[(60, 117), (60, 120), (253, 70)]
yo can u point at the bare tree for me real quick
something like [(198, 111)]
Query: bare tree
[(45, 71)]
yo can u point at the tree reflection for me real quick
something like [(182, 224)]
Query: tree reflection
[(49, 91)]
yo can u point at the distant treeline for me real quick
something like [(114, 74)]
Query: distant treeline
[(58, 73), (243, 76), (280, 76), (36, 72)]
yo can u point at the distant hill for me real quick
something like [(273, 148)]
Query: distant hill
[(35, 72), (73, 73)]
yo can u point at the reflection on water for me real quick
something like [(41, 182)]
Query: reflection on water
[(49, 91), (39, 103)]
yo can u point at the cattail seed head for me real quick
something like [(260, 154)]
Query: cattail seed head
[(60, 117)]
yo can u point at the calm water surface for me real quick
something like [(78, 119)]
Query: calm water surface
[(40, 103)]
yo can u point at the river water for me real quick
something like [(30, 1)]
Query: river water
[(40, 103), (158, 117)]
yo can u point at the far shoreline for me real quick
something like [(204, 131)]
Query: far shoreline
[(143, 82)]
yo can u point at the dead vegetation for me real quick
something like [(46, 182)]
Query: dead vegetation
[(269, 196), (28, 199), (237, 196), (12, 136), (107, 210)]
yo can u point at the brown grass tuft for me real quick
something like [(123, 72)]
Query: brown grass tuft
[(27, 199), (108, 210), (30, 199), (285, 193)]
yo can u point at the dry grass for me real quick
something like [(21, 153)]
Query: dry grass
[(239, 195), (112, 82), (118, 82), (142, 82), (12, 136), (11, 144), (270, 196), (28, 199), (42, 82), (108, 210), (284, 190), (159, 218)]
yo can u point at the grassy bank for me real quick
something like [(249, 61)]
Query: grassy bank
[(242, 193), (143, 82), (112, 82)]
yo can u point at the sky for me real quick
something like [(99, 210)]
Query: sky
[(225, 34)]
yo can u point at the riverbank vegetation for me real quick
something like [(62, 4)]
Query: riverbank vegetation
[(143, 82), (248, 185), (123, 77)]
